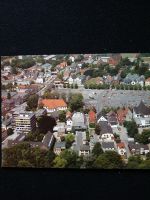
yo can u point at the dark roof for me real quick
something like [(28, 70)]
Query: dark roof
[(142, 109), (100, 114), (85, 147), (112, 119), (135, 146), (106, 145), (47, 138), (60, 144), (105, 127)]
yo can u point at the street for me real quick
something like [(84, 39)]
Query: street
[(123, 137)]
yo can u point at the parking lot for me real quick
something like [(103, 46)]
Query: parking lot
[(111, 98)]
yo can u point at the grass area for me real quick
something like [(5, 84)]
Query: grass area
[(93, 81)]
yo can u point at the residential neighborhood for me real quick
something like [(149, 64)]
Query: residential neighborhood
[(76, 111)]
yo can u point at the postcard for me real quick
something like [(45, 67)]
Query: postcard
[(79, 111)]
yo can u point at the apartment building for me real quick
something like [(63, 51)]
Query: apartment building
[(25, 122)]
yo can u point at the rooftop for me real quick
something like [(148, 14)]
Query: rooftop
[(142, 109), (60, 144), (54, 103), (106, 145), (105, 127)]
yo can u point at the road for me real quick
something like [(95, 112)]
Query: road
[(46, 86), (124, 137)]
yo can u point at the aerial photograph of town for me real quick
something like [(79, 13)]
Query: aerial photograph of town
[(81, 111)]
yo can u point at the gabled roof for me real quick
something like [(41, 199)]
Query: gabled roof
[(53, 103), (60, 145), (92, 116), (142, 109), (135, 146), (105, 127), (85, 147), (121, 113), (106, 145), (121, 145)]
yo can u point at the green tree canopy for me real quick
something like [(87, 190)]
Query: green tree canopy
[(97, 129), (59, 162), (71, 157), (62, 116), (134, 162), (76, 102), (132, 128), (32, 101), (97, 150), (109, 160), (46, 123), (144, 137), (24, 163)]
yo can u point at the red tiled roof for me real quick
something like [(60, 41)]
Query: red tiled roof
[(63, 64), (121, 114), (147, 80), (121, 145), (68, 114), (53, 103), (92, 117)]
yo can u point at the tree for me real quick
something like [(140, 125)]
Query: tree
[(40, 59), (97, 129), (134, 162), (76, 102), (46, 123), (63, 96), (71, 157), (41, 105), (125, 62), (12, 155), (47, 95), (35, 136), (62, 116), (32, 101), (10, 131), (24, 163), (69, 139), (8, 95), (109, 160), (131, 127), (23, 155), (59, 162), (144, 165), (143, 138), (97, 150)]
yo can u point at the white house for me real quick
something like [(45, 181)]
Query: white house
[(39, 80), (106, 133), (141, 115), (8, 69), (69, 122), (70, 80), (52, 105), (108, 146)]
